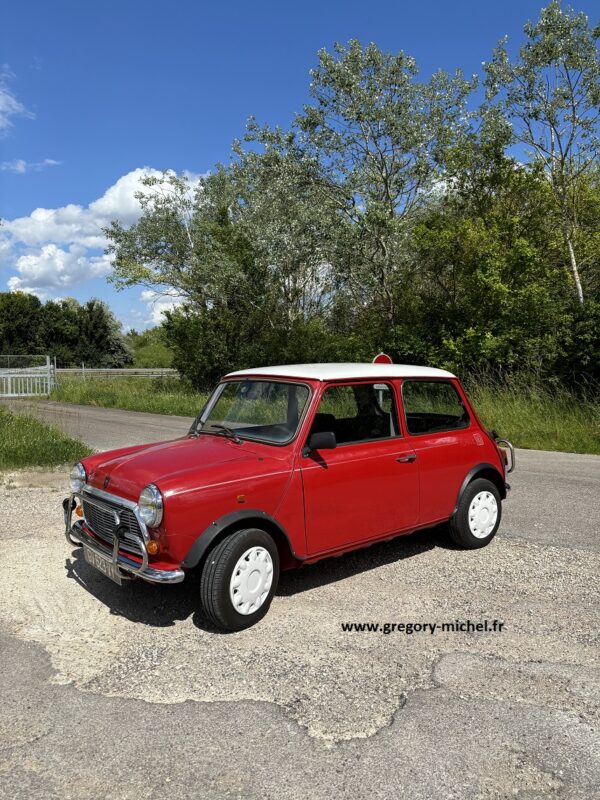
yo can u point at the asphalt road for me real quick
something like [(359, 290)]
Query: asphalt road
[(103, 428), (129, 693)]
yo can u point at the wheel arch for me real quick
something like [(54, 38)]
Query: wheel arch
[(483, 470), (239, 520)]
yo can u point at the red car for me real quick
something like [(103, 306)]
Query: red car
[(285, 466)]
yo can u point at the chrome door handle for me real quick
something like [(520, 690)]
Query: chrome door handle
[(408, 458)]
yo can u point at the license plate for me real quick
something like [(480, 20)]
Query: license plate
[(106, 567)]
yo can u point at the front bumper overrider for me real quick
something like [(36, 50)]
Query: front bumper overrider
[(77, 533)]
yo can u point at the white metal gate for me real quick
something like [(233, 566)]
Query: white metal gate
[(26, 381)]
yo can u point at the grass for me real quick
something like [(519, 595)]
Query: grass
[(540, 419), (25, 442), (525, 412), (158, 396)]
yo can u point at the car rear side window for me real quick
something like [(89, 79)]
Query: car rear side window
[(432, 407), (357, 413)]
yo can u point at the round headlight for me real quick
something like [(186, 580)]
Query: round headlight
[(77, 477), (151, 506)]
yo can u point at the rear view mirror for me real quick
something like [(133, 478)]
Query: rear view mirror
[(322, 441)]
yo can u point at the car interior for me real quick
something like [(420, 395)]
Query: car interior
[(433, 407), (429, 407), (430, 422), (370, 419)]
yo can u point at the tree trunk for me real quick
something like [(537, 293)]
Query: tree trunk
[(574, 268)]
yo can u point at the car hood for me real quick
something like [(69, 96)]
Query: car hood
[(126, 472)]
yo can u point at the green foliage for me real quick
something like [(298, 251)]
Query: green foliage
[(101, 343), (373, 144), (63, 329), (391, 217), (550, 93), (20, 319), (60, 330), (149, 348), (26, 442)]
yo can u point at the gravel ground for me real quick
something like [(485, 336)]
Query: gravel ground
[(103, 678)]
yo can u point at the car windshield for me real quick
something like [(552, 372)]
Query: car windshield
[(268, 411)]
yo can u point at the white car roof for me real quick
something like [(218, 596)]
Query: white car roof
[(341, 372)]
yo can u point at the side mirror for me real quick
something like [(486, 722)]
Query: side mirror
[(322, 441)]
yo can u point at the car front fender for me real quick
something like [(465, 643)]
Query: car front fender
[(236, 520)]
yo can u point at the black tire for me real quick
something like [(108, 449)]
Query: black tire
[(216, 577), (460, 525)]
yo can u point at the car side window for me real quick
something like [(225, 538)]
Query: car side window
[(432, 407), (357, 413)]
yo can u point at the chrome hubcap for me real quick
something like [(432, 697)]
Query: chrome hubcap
[(251, 580), (483, 513)]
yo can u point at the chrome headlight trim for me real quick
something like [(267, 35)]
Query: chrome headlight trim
[(77, 477), (150, 505)]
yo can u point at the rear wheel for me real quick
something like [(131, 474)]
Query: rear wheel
[(239, 579), (478, 515)]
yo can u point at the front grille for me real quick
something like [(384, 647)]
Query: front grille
[(100, 518)]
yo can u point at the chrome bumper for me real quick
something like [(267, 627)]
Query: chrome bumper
[(129, 566), (500, 443)]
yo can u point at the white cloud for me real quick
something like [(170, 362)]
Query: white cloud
[(9, 105), (4, 248), (54, 267), (75, 224), (53, 249), (70, 224), (159, 302), (20, 166), (119, 201)]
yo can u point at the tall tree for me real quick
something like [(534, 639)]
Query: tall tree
[(389, 216), (101, 342), (181, 242), (551, 94), (279, 207), (19, 323), (374, 135), (60, 323)]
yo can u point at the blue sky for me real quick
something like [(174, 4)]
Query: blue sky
[(91, 92)]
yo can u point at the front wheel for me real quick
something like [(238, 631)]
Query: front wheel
[(478, 515), (239, 579)]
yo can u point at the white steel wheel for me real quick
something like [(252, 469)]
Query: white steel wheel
[(251, 580), (483, 513)]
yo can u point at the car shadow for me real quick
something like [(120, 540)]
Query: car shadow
[(136, 600), (339, 568), (164, 606)]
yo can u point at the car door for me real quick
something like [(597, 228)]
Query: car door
[(439, 430), (368, 485)]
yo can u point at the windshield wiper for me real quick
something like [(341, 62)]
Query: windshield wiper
[(227, 431)]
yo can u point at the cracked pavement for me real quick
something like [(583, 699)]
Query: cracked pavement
[(120, 693)]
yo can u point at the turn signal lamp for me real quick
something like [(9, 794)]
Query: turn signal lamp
[(78, 511), (152, 547)]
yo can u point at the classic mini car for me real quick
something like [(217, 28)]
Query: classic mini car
[(285, 466)]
